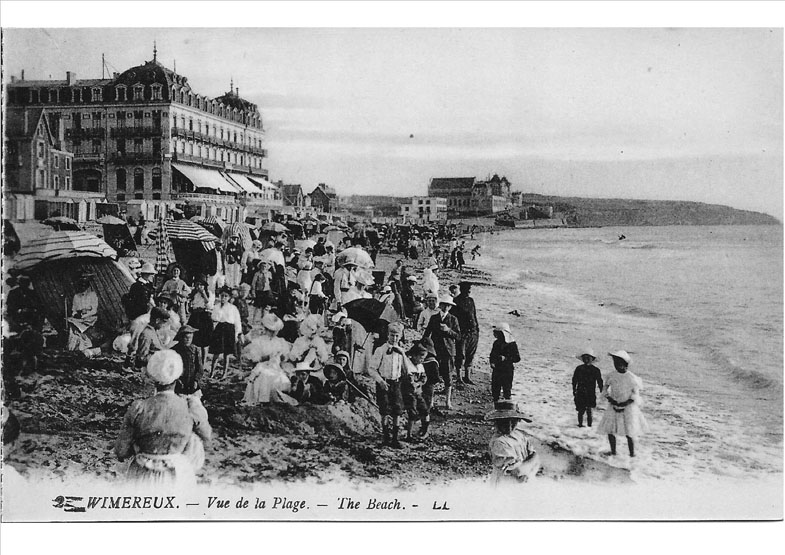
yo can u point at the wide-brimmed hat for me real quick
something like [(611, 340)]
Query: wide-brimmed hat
[(504, 327), (245, 287), (147, 268), (187, 329), (624, 355), (224, 289), (271, 322), (338, 315), (446, 299), (506, 409), (304, 366), (342, 353), (411, 278), (427, 342), (167, 297), (585, 352), (164, 367), (335, 366)]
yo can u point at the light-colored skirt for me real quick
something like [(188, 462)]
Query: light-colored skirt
[(264, 383), (628, 422)]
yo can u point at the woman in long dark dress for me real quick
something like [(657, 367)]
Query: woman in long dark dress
[(504, 355), (585, 381), (201, 304)]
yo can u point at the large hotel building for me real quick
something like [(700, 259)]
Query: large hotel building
[(144, 140)]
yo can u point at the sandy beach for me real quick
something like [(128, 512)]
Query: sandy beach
[(71, 412)]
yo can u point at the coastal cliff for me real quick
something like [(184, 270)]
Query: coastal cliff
[(588, 212)]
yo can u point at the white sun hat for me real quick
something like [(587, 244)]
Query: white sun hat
[(164, 367)]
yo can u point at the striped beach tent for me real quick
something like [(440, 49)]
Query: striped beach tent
[(237, 228), (60, 245), (163, 248)]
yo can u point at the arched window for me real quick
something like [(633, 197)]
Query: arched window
[(157, 178), (138, 179), (156, 90), (138, 92), (120, 93), (120, 178), (174, 94)]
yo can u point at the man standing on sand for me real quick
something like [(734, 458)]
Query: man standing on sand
[(444, 330), (465, 348)]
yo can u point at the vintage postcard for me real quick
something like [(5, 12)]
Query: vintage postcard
[(392, 274)]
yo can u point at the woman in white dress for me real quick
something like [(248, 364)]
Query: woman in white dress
[(624, 417), (267, 379)]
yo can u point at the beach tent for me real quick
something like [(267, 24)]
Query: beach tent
[(54, 262), (240, 229), (117, 235), (11, 242)]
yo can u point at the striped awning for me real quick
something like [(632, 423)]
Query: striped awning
[(245, 184), (186, 230), (61, 245), (262, 183), (207, 179)]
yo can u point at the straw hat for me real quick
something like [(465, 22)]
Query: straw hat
[(338, 316), (585, 352), (622, 355), (271, 322), (506, 409), (147, 268), (187, 329), (446, 299), (304, 366), (504, 327), (165, 367), (411, 278)]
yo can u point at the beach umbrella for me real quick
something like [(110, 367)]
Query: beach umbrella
[(367, 312), (163, 248), (275, 227), (108, 219), (354, 255), (62, 223), (186, 230), (61, 245), (273, 255)]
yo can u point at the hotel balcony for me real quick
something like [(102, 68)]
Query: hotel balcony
[(136, 131), (136, 158), (85, 133)]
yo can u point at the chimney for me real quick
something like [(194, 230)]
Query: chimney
[(70, 77), (115, 75), (23, 75), (13, 79)]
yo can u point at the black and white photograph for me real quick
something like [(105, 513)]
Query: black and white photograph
[(401, 273)]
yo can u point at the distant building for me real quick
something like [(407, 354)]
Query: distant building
[(466, 196), (39, 172), (324, 198), (424, 210), (147, 141), (292, 195)]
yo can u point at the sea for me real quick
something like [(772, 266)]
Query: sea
[(700, 308)]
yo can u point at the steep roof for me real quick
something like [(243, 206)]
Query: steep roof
[(289, 193), (20, 127), (452, 183)]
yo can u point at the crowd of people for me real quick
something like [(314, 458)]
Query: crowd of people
[(293, 318)]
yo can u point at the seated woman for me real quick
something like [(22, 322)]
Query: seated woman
[(310, 347), (178, 290), (305, 387), (335, 387), (84, 316), (162, 435), (512, 456), (267, 379)]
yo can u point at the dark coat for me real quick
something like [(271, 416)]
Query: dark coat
[(585, 379), (138, 301), (314, 394), (466, 313), (188, 382), (504, 356), (443, 341)]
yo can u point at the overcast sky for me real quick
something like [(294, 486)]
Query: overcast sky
[(685, 114)]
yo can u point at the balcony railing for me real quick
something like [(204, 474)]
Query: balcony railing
[(135, 157), (85, 132), (136, 131), (203, 196), (88, 156)]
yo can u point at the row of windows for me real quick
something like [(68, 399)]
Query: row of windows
[(212, 107), (217, 131), (136, 93), (138, 196), (42, 183), (121, 176), (218, 154)]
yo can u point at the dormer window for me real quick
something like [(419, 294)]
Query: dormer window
[(138, 91), (53, 96), (77, 95), (98, 94), (174, 94), (157, 92), (120, 93)]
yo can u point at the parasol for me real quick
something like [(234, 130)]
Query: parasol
[(367, 312), (61, 245), (273, 255), (62, 223), (275, 227), (110, 220), (354, 255), (186, 230)]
